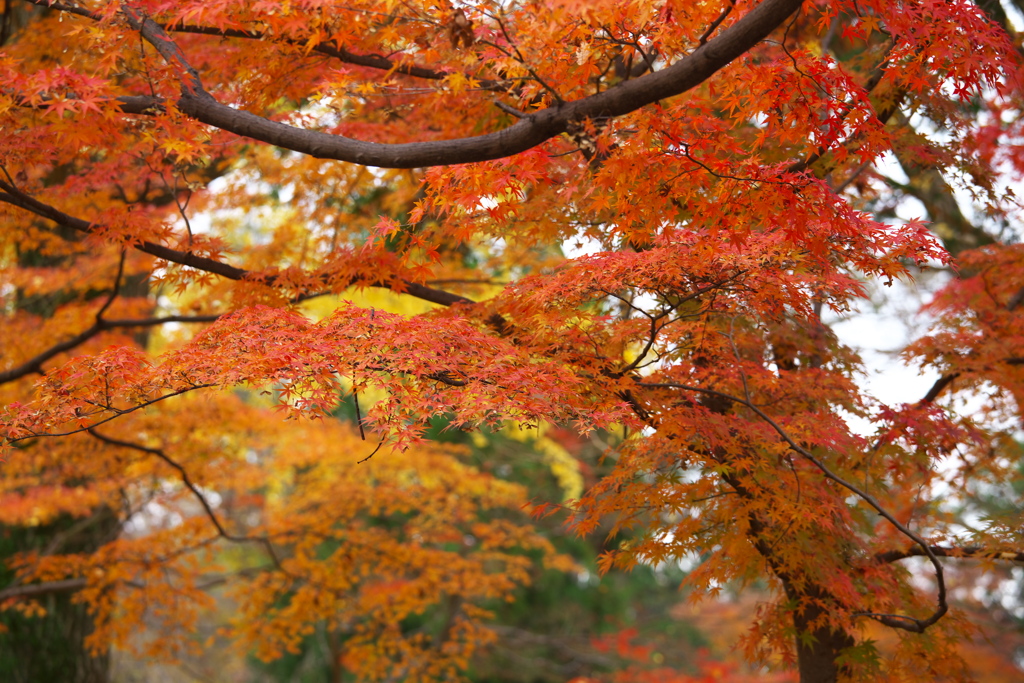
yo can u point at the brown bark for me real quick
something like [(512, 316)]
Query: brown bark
[(818, 648), (527, 133), (817, 654)]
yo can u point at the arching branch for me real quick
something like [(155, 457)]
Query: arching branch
[(527, 133), (966, 552), (899, 621)]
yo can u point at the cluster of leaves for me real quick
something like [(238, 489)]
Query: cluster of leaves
[(178, 178), (360, 549)]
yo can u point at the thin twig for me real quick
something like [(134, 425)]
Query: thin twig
[(360, 462), (35, 364), (511, 111), (359, 418), (207, 508), (117, 413), (717, 22), (522, 60), (896, 621)]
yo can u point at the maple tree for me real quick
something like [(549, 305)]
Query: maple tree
[(200, 195)]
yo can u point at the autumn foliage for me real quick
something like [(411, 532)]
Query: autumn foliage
[(227, 225)]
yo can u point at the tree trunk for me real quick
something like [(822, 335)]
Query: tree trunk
[(817, 656), (52, 647)]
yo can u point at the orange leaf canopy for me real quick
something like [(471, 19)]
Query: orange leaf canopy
[(628, 219)]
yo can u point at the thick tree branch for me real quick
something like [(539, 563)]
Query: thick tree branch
[(527, 133)]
